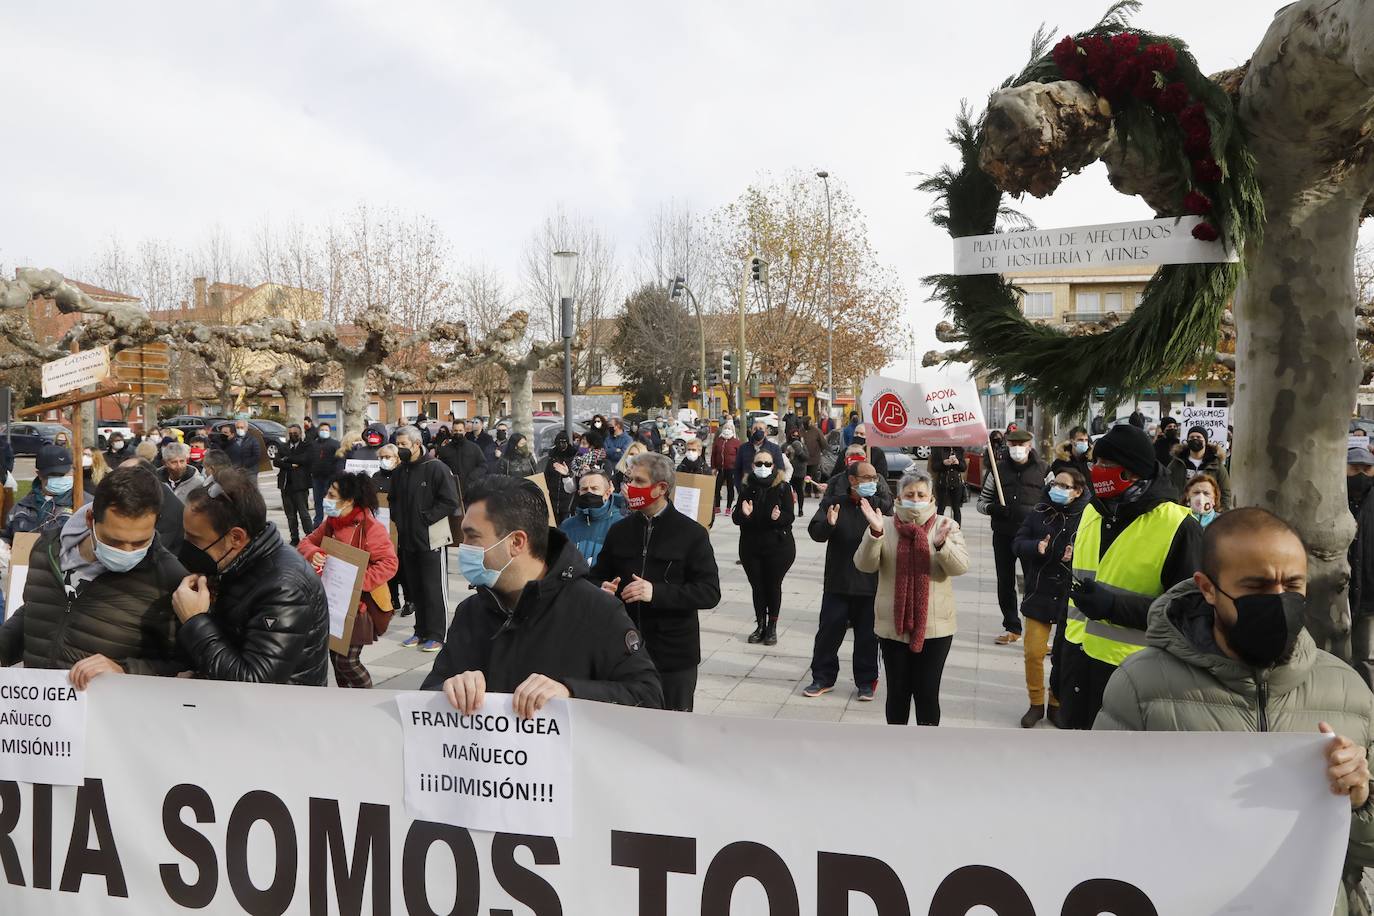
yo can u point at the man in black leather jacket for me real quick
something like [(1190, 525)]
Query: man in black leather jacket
[(265, 620)]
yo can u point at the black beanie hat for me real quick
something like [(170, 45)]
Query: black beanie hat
[(1200, 430), (1130, 447)]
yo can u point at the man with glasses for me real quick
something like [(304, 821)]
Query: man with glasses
[(251, 609), (847, 597)]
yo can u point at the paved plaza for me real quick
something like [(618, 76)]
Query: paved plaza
[(983, 685)]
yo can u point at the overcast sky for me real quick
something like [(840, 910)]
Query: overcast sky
[(143, 119)]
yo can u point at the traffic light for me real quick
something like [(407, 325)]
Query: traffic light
[(678, 287), (713, 378), (727, 367), (753, 386), (696, 389), (758, 270)]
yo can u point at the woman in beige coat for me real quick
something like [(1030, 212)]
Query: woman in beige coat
[(916, 554)]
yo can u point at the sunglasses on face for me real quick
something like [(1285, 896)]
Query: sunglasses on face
[(763, 464)]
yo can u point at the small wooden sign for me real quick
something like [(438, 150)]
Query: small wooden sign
[(694, 495)]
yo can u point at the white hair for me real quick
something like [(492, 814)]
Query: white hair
[(175, 451), (410, 432)]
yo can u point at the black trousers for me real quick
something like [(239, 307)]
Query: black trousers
[(1004, 558), (725, 478), (914, 676), (952, 499), (296, 505), (766, 558), (799, 488), (839, 613), (679, 689), (1082, 682), (424, 571)]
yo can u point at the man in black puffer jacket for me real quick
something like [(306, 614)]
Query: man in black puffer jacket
[(99, 592), (536, 628), (267, 621)]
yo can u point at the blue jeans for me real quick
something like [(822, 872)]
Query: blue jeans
[(321, 486)]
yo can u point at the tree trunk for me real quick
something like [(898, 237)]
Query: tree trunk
[(521, 378), (354, 406), (1305, 105), (294, 395)]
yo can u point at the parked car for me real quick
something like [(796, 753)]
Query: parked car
[(545, 429), (190, 424), (28, 438), (273, 437), (108, 427), (897, 463)]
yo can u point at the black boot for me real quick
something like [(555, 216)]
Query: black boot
[(757, 635), (770, 635)]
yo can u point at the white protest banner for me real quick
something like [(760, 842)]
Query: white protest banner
[(42, 728), (491, 770), (76, 371), (1125, 245), (261, 798), (937, 409), (1214, 419), (1357, 442), (362, 466)]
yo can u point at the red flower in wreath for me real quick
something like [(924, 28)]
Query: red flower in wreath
[(1145, 81), (1125, 43), (1197, 203), (1098, 58), (1067, 59), (1121, 81), (1206, 232), (1194, 117), (1198, 143), (1161, 57), (1172, 99), (1206, 170)]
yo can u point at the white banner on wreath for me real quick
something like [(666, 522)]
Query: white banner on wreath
[(1073, 248), (939, 408), (267, 799)]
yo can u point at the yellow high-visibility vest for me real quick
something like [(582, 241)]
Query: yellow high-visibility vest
[(1133, 564)]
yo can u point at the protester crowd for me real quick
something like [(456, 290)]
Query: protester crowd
[(1141, 596)]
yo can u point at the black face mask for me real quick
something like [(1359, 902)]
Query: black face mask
[(500, 435), (404, 455), (859, 440), (757, 435), (590, 500), (295, 437), (1196, 445), (1266, 628), (197, 560), (1358, 487)]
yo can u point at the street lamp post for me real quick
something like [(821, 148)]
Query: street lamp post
[(824, 176), (680, 285), (565, 272)]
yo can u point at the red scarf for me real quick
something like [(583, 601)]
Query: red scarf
[(337, 525), (911, 593)]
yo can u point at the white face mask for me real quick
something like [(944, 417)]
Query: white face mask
[(388, 464), (1018, 453)]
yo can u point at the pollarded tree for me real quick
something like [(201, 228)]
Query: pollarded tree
[(1277, 157)]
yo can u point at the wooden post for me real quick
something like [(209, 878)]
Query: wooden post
[(78, 478), (996, 477)]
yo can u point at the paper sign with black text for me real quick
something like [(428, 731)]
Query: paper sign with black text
[(491, 770), (1214, 419), (42, 727)]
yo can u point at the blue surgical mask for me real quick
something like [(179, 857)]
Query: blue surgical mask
[(1061, 495), (914, 505), (331, 507), (324, 434), (1205, 518), (868, 488), (58, 486), (472, 564), (1080, 448), (115, 560)]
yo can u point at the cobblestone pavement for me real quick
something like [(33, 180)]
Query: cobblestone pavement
[(983, 683)]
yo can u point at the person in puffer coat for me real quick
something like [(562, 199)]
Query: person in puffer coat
[(1228, 652), (1044, 544), (266, 619), (119, 618)]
